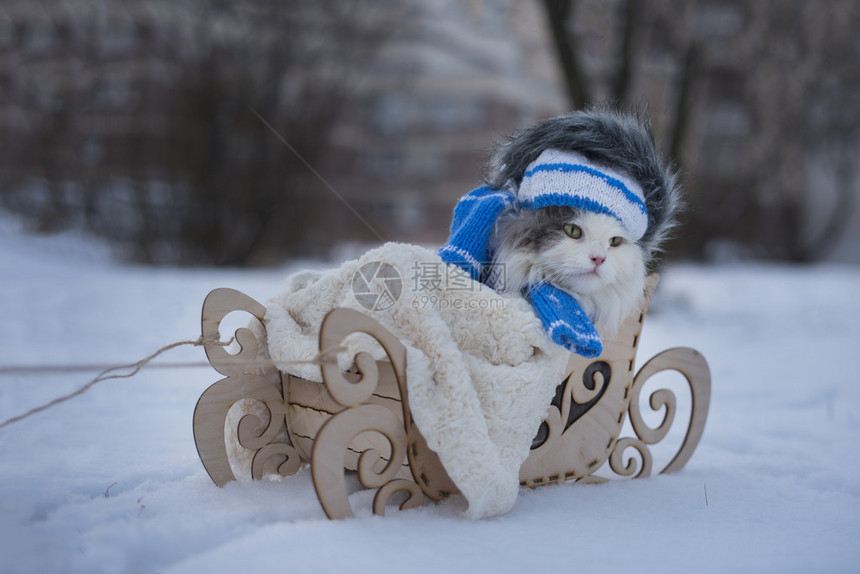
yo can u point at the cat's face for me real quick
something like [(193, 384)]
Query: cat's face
[(589, 252), (579, 251)]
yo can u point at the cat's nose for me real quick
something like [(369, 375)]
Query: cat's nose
[(597, 260)]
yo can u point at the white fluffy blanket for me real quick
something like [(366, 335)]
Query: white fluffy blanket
[(481, 370)]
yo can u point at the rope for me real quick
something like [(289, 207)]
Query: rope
[(108, 373), (84, 368)]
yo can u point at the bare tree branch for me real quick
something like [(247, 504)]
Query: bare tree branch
[(684, 109), (631, 15), (557, 13)]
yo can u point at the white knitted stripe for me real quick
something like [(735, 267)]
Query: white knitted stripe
[(467, 257), (561, 323), (554, 325), (602, 186), (501, 194)]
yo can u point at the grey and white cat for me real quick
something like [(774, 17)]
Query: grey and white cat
[(587, 254)]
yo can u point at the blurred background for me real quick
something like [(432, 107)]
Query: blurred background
[(246, 132)]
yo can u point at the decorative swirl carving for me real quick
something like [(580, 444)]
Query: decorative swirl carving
[(616, 459), (248, 376), (254, 433), (383, 495), (586, 395), (329, 454), (573, 398), (694, 368), (549, 427), (217, 305), (660, 399), (211, 412), (595, 379), (289, 466), (336, 325)]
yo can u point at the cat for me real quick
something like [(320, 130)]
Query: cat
[(589, 255)]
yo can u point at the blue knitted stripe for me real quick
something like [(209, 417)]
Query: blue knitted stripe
[(611, 181), (569, 200), (462, 259)]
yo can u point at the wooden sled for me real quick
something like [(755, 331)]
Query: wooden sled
[(360, 420)]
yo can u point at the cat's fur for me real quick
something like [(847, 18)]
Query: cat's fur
[(532, 245)]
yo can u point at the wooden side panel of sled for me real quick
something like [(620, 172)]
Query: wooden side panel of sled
[(250, 376), (366, 408), (352, 421), (582, 429)]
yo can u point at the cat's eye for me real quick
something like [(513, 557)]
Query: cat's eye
[(615, 241), (573, 231)]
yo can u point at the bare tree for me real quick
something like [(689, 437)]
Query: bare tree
[(558, 12), (761, 110), (804, 90)]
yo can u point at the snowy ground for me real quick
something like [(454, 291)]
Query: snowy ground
[(111, 482)]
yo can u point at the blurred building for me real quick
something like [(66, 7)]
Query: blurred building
[(454, 80)]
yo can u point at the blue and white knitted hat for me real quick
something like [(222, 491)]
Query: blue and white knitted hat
[(566, 178)]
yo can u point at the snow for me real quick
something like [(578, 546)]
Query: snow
[(111, 482)]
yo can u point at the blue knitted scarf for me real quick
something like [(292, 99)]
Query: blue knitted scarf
[(468, 248)]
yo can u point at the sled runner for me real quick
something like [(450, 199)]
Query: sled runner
[(360, 419)]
